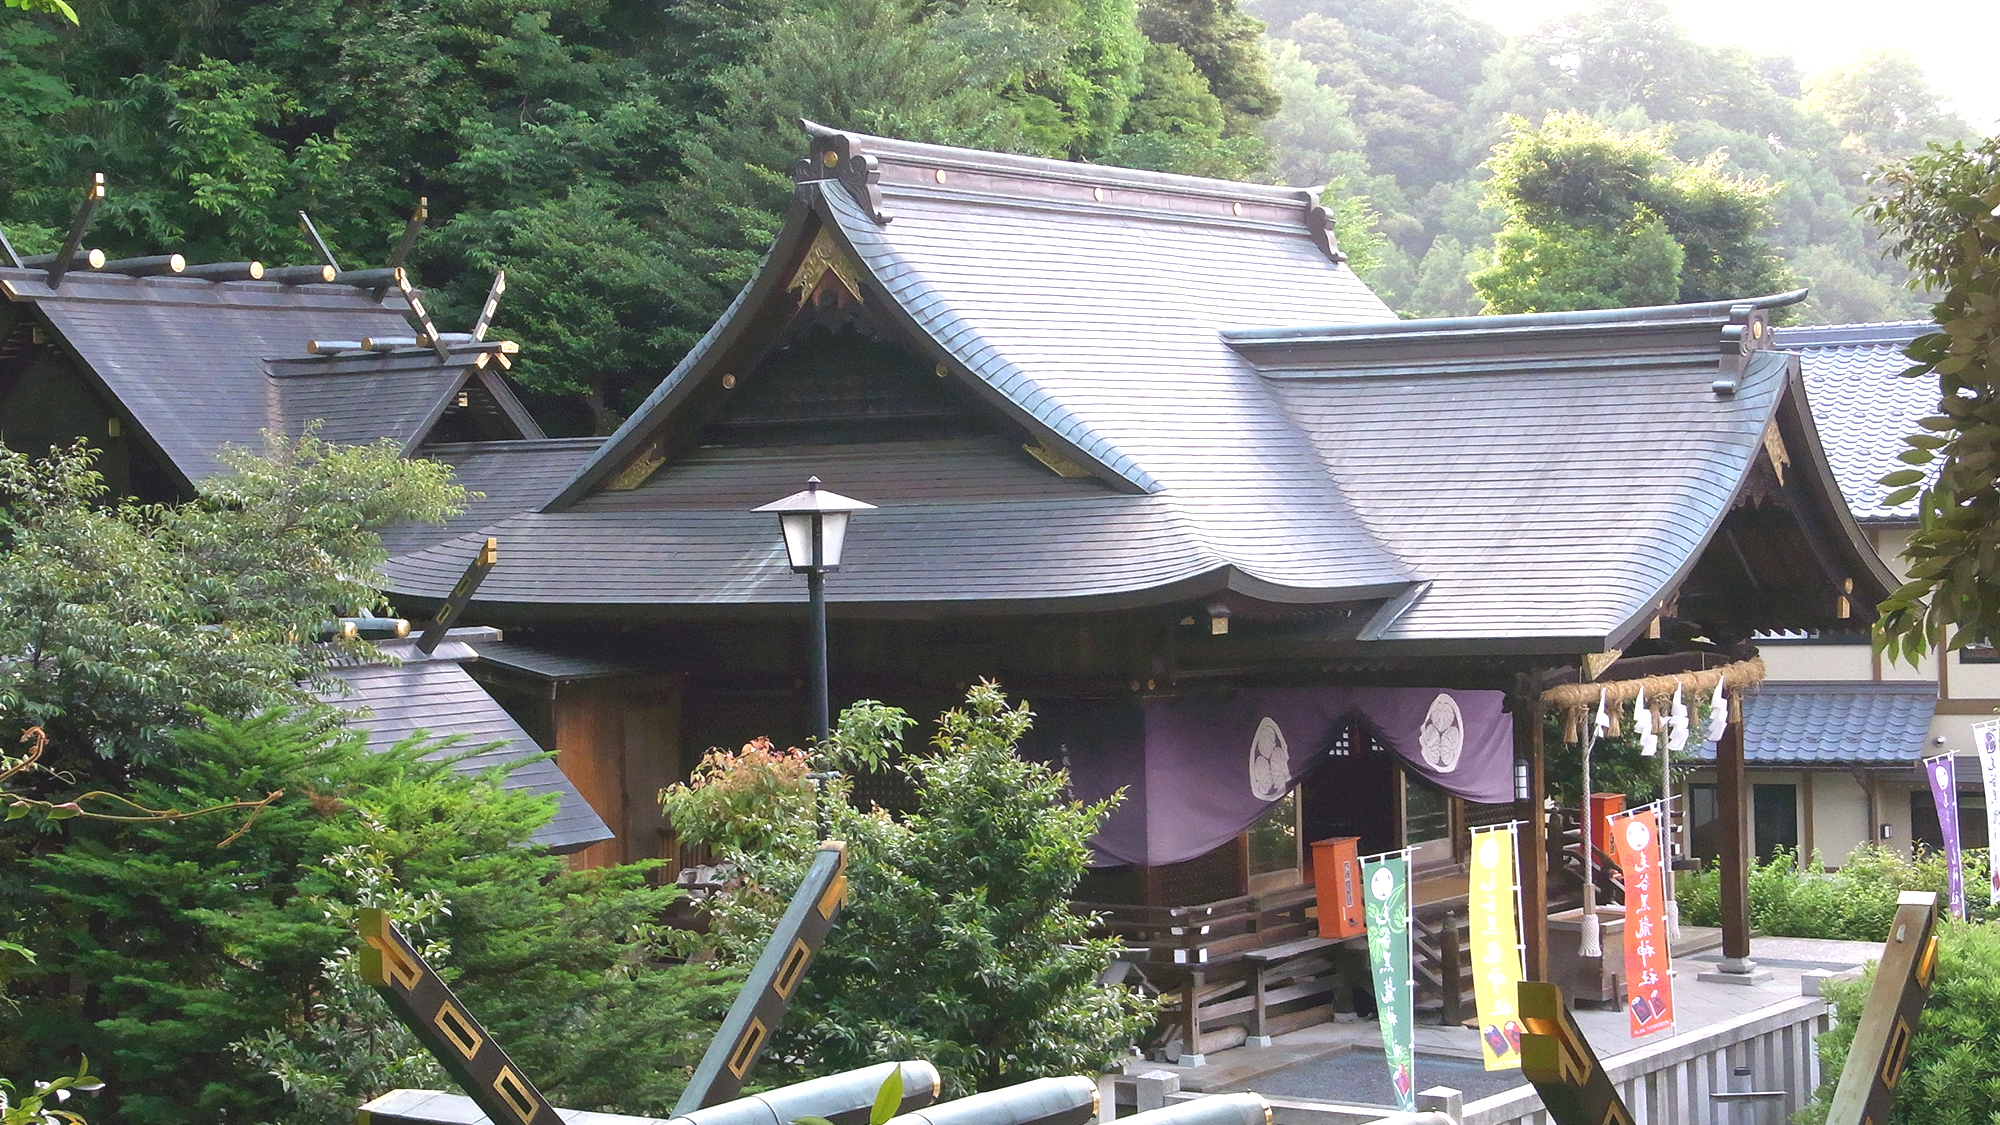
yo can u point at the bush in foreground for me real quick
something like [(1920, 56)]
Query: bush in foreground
[(957, 944), (1953, 1074), (1854, 903)]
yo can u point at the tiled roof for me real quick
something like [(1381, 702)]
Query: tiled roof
[(503, 478), (1546, 475), (1862, 405), (201, 364), (1839, 723), (1476, 481), (436, 696)]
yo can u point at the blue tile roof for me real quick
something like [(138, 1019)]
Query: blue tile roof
[(1862, 405), (1836, 723)]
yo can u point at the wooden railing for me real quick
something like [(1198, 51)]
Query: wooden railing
[(1565, 848), (1438, 942), (1194, 957), (1760, 1067)]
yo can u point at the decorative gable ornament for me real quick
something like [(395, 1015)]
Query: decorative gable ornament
[(825, 259)]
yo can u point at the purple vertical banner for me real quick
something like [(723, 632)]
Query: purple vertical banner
[(1942, 773)]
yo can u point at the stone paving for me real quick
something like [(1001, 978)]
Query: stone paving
[(1342, 1062)]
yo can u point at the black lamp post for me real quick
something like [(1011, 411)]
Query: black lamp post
[(814, 523)]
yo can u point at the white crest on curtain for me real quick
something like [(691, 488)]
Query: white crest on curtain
[(1270, 762)]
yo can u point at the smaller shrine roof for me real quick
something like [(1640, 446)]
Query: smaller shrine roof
[(1862, 404), (393, 701), (1836, 723), (198, 365)]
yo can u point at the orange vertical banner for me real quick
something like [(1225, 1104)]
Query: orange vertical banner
[(1649, 983)]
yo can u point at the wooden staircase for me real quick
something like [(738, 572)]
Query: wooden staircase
[(1439, 941)]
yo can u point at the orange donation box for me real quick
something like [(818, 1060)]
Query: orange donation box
[(1337, 879)]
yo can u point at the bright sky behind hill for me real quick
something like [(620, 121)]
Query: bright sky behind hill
[(1956, 41)]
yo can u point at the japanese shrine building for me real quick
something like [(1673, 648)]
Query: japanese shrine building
[(1146, 451)]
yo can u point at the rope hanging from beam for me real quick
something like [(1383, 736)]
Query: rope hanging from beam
[(1576, 700)]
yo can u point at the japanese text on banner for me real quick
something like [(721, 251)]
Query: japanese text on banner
[(1496, 952), (1649, 983), (1986, 737), (1942, 773), (1387, 880)]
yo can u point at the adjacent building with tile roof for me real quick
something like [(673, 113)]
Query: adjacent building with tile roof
[(1836, 732), (160, 372)]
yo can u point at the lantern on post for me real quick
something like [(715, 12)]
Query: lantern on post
[(814, 524)]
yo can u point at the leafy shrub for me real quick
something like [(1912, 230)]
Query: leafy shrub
[(1953, 1074), (742, 802), (957, 944), (1854, 903), (159, 954)]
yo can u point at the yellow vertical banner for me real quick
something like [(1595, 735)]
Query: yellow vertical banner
[(1496, 948)]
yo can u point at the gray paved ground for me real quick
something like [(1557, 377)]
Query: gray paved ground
[(1339, 1062)]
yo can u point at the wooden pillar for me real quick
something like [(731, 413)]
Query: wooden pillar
[(1732, 829), (1534, 832)]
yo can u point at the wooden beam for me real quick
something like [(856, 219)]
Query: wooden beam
[(93, 195), (152, 265), (492, 306), (411, 230), (226, 271), (419, 318), (1732, 815), (318, 243), (300, 275), (366, 279), (1866, 1091), (1534, 833), (7, 245)]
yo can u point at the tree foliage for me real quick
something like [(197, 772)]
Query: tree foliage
[(124, 618), (1597, 218), (1952, 1076), (1942, 211), (158, 952), (958, 944), (624, 161), (1429, 87)]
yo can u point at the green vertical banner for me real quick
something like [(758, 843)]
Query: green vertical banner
[(1387, 879)]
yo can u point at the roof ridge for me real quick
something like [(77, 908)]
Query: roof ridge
[(1042, 167), (1516, 322), (867, 165)]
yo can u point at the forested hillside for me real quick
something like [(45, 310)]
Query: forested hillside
[(625, 161), (1404, 100)]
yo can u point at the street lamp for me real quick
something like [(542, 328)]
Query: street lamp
[(814, 523)]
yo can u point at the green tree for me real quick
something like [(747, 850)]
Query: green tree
[(1883, 107), (1597, 219), (958, 944), (158, 951), (122, 618), (1942, 212)]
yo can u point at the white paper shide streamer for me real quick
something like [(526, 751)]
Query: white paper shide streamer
[(1642, 722), (1718, 712)]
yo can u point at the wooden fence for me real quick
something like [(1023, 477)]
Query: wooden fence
[(1757, 1069)]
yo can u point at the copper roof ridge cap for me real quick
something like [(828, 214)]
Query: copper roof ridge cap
[(1647, 316), (952, 158), (1109, 207)]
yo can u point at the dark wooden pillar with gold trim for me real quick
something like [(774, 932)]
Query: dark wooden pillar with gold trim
[(1534, 831), (1732, 814)]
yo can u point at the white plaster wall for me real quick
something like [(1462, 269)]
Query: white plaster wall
[(1969, 681), (1818, 662), (1840, 815)]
